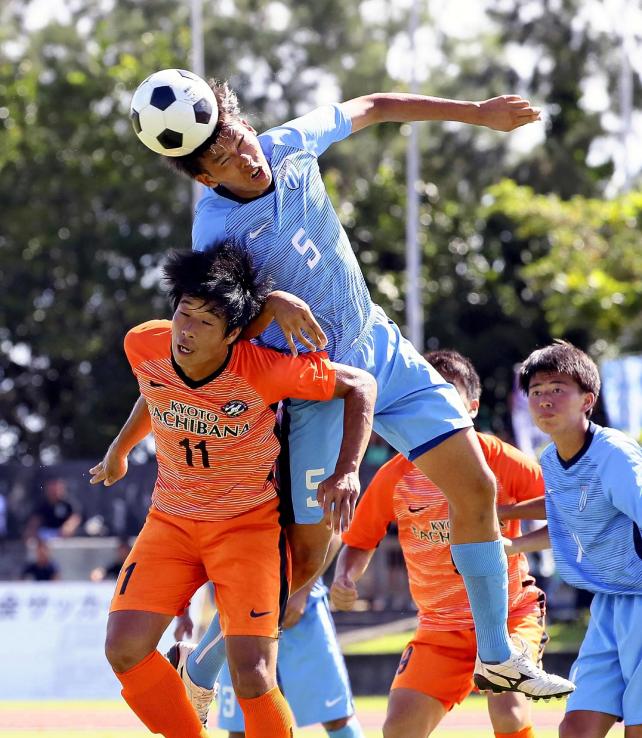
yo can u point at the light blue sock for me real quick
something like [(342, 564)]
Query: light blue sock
[(206, 660), (484, 569), (352, 729)]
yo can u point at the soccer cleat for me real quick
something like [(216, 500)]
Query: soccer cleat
[(519, 674), (200, 697)]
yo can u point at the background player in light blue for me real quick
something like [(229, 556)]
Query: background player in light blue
[(266, 193), (310, 668), (593, 478)]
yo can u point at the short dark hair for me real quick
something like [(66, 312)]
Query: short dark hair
[(454, 367), (228, 111), (564, 358), (224, 278)]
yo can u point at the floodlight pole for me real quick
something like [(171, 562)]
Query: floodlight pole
[(414, 312), (626, 96), (198, 66)]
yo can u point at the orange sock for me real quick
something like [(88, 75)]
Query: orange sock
[(155, 692), (526, 732), (267, 716)]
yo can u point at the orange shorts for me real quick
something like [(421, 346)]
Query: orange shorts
[(441, 663), (246, 557)]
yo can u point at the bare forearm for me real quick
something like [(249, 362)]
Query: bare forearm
[(527, 510), (503, 113), (536, 540), (401, 107), (262, 320), (353, 562), (358, 412), (136, 427)]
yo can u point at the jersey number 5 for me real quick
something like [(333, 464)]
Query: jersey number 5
[(304, 246)]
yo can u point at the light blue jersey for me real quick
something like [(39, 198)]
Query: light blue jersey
[(594, 510), (294, 237), (293, 233)]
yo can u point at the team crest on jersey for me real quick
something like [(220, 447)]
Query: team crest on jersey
[(289, 173), (583, 497), (234, 408)]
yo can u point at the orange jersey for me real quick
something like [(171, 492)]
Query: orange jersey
[(215, 440), (400, 492)]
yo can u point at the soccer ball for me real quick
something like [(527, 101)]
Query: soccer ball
[(173, 112)]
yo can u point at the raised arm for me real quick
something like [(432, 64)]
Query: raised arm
[(351, 566), (503, 113), (114, 466), (339, 492)]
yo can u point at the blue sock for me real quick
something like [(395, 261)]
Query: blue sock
[(206, 660), (484, 569), (351, 730)]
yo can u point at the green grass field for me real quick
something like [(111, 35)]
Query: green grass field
[(112, 719), (563, 637)]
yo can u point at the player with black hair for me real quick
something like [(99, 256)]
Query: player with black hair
[(214, 512)]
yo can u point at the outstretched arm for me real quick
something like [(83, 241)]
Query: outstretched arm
[(339, 492), (503, 113), (114, 466)]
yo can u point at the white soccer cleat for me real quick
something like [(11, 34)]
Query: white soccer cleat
[(520, 674), (200, 697)]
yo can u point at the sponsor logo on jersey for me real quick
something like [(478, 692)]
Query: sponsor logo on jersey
[(197, 420), (234, 408), (437, 532)]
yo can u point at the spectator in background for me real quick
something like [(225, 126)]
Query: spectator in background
[(42, 569), (113, 570), (55, 516)]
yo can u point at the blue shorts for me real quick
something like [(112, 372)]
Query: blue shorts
[(608, 669), (311, 672), (416, 409)]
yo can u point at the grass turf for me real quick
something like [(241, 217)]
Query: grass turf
[(564, 637)]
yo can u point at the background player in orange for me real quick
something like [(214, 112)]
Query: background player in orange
[(214, 512), (436, 668)]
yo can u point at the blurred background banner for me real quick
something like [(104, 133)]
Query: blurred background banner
[(622, 393), (53, 636)]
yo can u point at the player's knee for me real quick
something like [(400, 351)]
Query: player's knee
[(336, 724), (394, 726), (571, 728), (479, 500), (124, 653), (251, 680)]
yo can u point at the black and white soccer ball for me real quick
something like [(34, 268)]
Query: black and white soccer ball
[(173, 112)]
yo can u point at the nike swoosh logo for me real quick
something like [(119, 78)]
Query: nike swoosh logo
[(254, 234), (330, 703), (254, 614), (417, 509), (156, 384)]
